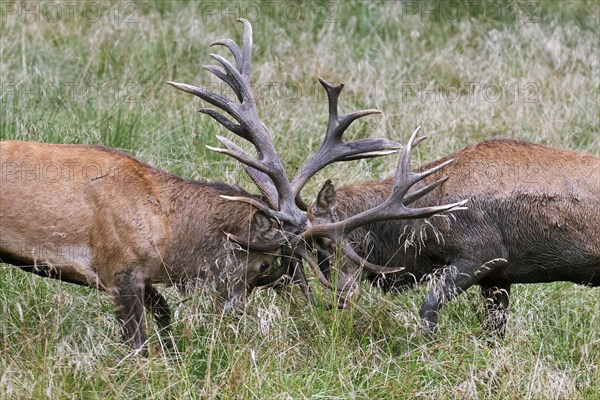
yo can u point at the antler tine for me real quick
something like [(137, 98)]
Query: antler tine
[(214, 99), (336, 124), (235, 128), (412, 197), (261, 206), (405, 177), (233, 77), (264, 183), (355, 258), (223, 103), (247, 48), (253, 168), (233, 48), (333, 149), (234, 151)]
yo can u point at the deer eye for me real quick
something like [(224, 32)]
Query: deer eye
[(264, 266)]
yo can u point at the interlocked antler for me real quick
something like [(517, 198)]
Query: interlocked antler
[(266, 170), (392, 208)]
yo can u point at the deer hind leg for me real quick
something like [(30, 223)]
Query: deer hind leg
[(455, 279), (496, 307), (128, 298), (158, 306)]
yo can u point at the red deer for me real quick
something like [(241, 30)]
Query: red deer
[(94, 216), (533, 216)]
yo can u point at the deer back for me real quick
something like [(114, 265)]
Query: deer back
[(525, 200), (94, 211)]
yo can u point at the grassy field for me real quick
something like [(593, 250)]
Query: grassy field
[(95, 72)]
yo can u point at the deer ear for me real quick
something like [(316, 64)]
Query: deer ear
[(262, 227), (264, 235), (326, 197)]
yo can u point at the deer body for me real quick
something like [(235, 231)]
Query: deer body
[(535, 207), (94, 216)]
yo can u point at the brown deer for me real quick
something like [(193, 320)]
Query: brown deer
[(94, 216), (533, 216)]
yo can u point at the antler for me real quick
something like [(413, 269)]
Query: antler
[(395, 205), (333, 148), (278, 191), (282, 196)]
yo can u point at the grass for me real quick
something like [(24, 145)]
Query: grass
[(518, 70)]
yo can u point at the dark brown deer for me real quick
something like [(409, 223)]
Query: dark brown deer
[(95, 216), (533, 216)]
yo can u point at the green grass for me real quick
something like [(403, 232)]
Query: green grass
[(82, 81)]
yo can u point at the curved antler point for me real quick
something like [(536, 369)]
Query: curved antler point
[(216, 149), (328, 86)]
